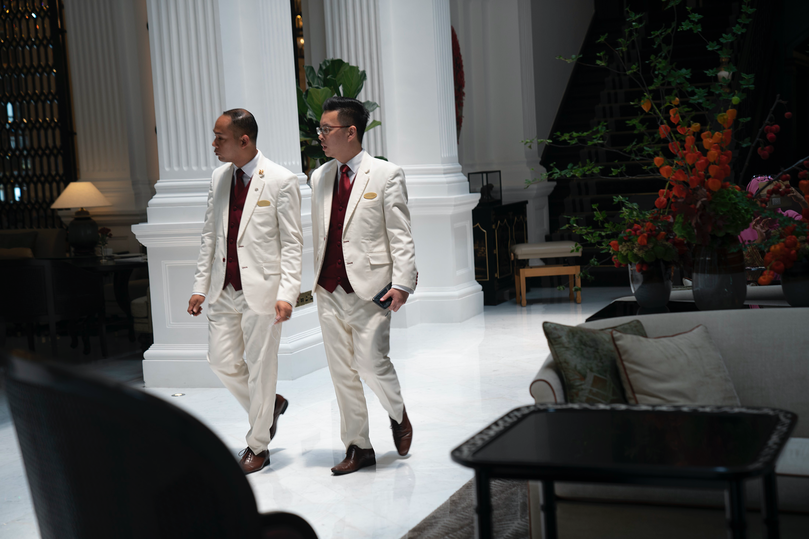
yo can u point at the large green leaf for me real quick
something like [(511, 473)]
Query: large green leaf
[(312, 78), (315, 152), (315, 98), (370, 106), (351, 78), (330, 68), (303, 108), (329, 74), (373, 124)]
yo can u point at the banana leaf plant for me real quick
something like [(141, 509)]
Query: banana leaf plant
[(334, 77)]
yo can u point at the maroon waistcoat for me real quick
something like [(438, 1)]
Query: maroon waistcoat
[(238, 194), (333, 272)]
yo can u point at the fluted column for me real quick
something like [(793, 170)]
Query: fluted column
[(352, 34), (112, 137), (209, 56), (418, 97)]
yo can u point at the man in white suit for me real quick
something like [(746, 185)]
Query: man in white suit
[(249, 268), (362, 242)]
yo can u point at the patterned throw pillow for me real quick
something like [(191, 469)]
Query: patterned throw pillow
[(587, 360)]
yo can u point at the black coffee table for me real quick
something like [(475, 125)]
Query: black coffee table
[(670, 446)]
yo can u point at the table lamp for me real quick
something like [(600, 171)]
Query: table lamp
[(82, 233)]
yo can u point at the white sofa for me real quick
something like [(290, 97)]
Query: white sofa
[(766, 352)]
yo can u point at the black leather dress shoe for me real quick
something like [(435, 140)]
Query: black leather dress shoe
[(356, 459)]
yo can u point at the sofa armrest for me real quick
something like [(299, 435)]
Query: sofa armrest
[(547, 386)]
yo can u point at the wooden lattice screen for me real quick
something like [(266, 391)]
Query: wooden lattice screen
[(36, 140)]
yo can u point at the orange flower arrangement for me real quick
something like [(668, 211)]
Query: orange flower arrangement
[(704, 203)]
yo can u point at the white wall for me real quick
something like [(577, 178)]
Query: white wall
[(559, 30)]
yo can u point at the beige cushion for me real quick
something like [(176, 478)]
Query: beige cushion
[(680, 369), (16, 252), (548, 249)]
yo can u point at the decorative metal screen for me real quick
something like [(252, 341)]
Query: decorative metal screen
[(36, 140)]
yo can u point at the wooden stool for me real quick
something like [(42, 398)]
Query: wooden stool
[(550, 249)]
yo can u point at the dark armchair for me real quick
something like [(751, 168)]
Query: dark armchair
[(107, 460), (49, 291)]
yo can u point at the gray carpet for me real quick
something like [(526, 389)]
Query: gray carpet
[(455, 518)]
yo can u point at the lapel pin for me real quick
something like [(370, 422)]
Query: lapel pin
[(261, 173)]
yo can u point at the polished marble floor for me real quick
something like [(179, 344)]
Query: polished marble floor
[(456, 379)]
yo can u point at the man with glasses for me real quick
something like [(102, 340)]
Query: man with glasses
[(362, 243), (249, 270)]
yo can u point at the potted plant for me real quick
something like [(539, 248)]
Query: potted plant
[(687, 134), (334, 77), (642, 241)]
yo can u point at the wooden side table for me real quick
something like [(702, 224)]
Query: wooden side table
[(673, 446)]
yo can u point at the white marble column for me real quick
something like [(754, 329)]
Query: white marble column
[(209, 56), (352, 35), (497, 46), (418, 99), (111, 110)]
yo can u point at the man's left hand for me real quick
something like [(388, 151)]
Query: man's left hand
[(398, 298), (283, 311)]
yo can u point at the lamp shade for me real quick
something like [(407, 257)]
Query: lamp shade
[(80, 195)]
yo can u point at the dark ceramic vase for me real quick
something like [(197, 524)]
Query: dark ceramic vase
[(719, 278), (652, 288)]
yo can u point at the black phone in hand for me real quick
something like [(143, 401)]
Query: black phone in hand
[(378, 298)]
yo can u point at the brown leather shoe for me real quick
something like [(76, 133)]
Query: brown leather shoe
[(356, 459), (402, 434), (252, 463), (280, 407)]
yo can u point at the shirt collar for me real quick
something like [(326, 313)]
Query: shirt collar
[(250, 168), (354, 163)]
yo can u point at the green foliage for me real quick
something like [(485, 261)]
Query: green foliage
[(665, 83), (625, 231), (334, 77)]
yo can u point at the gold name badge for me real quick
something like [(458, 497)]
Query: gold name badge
[(263, 203), (369, 196)]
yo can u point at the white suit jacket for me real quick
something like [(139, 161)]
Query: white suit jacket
[(270, 241), (377, 243)]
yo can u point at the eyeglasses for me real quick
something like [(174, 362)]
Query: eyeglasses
[(326, 129)]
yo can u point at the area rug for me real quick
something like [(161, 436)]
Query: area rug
[(455, 518)]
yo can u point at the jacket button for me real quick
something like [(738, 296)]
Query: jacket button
[(223, 260)]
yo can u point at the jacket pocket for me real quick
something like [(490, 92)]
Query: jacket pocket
[(378, 258)]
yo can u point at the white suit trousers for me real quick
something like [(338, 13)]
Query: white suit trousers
[(243, 352), (356, 335)]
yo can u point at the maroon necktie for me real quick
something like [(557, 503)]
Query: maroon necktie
[(345, 182), (239, 181)]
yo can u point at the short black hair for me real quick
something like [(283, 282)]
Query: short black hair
[(349, 112), (243, 123)]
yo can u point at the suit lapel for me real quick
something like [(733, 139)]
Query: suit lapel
[(255, 189), (223, 196), (327, 192), (360, 183)]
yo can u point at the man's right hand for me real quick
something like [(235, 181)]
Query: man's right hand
[(195, 304)]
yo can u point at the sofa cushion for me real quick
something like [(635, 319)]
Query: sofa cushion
[(11, 239), (587, 361), (14, 253), (681, 369)]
